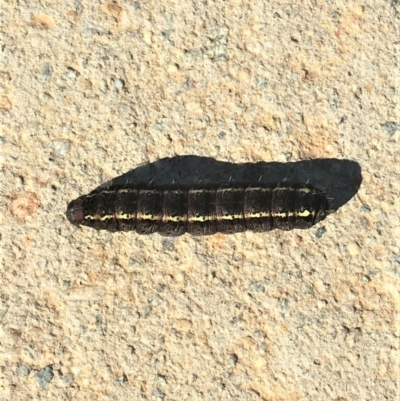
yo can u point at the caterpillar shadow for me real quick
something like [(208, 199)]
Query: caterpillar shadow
[(340, 179)]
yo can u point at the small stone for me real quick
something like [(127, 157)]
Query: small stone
[(261, 82), (216, 45), (44, 376), (295, 38), (353, 249), (193, 55), (335, 97), (89, 29), (365, 208), (61, 147), (161, 378), (70, 76), (119, 84), (160, 287), (136, 5), (23, 370), (147, 311), (123, 379), (3, 311), (158, 394), (390, 128), (283, 306), (166, 34), (66, 283), (288, 156), (68, 379), (232, 361), (46, 70), (320, 232), (169, 244), (257, 287)]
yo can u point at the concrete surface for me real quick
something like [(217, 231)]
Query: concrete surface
[(91, 90)]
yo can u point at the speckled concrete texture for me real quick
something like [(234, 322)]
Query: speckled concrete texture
[(90, 91)]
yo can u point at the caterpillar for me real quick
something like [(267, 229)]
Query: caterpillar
[(172, 211)]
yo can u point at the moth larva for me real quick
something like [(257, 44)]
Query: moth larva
[(173, 211)]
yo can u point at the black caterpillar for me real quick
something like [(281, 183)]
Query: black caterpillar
[(174, 211)]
